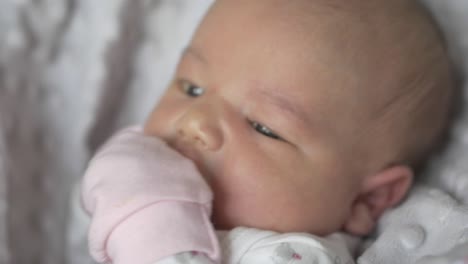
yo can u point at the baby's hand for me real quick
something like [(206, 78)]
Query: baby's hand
[(148, 167), (146, 201)]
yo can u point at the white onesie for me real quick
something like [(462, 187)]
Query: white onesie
[(253, 246)]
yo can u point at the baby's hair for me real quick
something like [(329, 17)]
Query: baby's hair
[(412, 95), (423, 105)]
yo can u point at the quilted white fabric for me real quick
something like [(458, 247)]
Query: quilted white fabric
[(74, 71)]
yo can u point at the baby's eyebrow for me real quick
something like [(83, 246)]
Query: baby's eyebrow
[(284, 103), (275, 98), (195, 53)]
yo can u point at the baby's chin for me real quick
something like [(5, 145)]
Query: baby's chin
[(283, 224), (221, 223), (223, 220)]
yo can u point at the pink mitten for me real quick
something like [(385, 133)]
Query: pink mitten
[(147, 202)]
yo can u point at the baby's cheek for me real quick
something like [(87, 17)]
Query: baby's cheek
[(233, 203), (245, 203), (240, 200)]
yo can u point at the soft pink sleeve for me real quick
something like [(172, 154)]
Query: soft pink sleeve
[(147, 202)]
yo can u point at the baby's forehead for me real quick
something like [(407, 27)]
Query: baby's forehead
[(308, 31), (357, 51), (350, 61), (340, 25)]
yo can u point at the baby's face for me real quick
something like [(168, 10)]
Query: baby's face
[(257, 103)]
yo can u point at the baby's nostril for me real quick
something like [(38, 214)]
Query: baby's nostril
[(199, 141), (181, 133)]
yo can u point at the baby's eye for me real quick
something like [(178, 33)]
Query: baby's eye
[(191, 89), (264, 130)]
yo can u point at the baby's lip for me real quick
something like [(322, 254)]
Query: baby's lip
[(192, 154), (186, 151)]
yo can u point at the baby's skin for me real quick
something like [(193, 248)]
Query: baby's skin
[(275, 103), (297, 116), (149, 203)]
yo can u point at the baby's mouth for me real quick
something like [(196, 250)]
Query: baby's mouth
[(192, 154), (186, 151)]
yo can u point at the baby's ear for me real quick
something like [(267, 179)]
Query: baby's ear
[(380, 192)]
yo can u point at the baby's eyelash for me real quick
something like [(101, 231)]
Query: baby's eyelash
[(264, 130), (191, 89)]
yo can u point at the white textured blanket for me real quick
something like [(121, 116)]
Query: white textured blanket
[(74, 71)]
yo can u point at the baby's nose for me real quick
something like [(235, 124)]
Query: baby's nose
[(200, 126)]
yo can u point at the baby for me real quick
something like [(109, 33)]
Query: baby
[(304, 119)]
